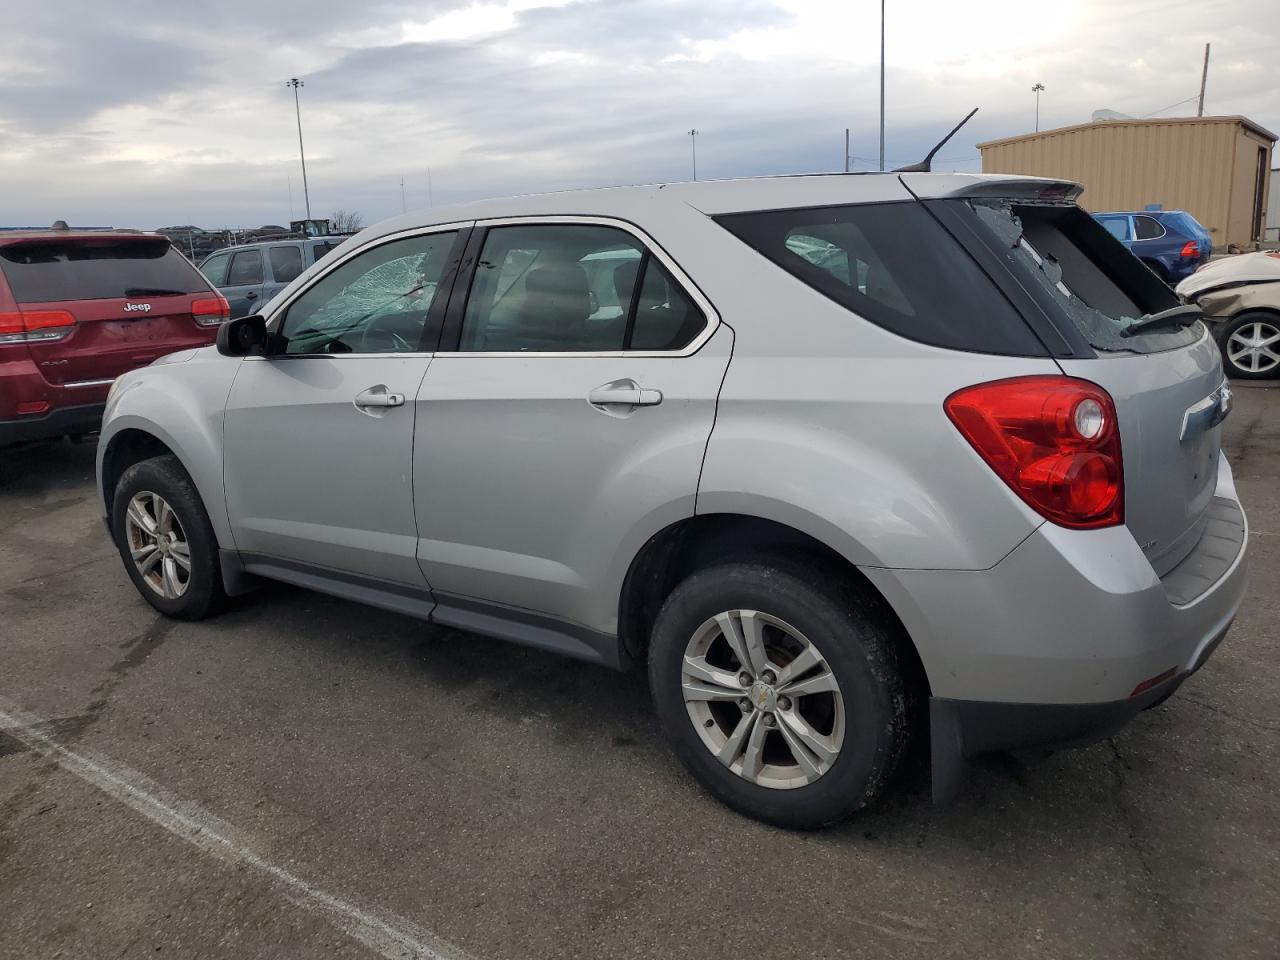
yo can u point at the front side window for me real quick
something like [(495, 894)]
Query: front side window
[(573, 288), (215, 269), (246, 268), (286, 263), (376, 302)]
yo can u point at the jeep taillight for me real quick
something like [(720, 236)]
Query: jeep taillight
[(1054, 440), (32, 326), (210, 311)]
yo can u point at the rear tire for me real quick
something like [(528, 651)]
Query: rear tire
[(1241, 335), (855, 712), (165, 539)]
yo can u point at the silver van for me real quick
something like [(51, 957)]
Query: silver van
[(840, 460)]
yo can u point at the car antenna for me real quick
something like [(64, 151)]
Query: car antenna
[(926, 165)]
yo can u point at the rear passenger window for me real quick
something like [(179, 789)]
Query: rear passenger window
[(286, 263), (246, 268), (572, 288), (1118, 227), (320, 249), (894, 265), (1148, 228)]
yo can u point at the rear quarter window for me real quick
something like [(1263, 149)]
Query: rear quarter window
[(893, 264), (44, 271)]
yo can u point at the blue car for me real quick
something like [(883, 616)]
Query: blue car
[(1171, 242)]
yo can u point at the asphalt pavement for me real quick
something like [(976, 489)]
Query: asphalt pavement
[(303, 777)]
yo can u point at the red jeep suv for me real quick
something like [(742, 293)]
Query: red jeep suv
[(79, 308)]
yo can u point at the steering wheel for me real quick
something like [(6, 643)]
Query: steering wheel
[(384, 335)]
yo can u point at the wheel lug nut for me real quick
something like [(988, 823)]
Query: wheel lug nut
[(744, 679), (744, 705), (768, 677), (784, 703), (770, 720)]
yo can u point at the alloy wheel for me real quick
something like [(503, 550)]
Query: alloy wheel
[(1255, 347), (763, 699), (158, 545)]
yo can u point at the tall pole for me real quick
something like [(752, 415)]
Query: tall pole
[(693, 141), (403, 208), (431, 200), (297, 109), (882, 85), (1204, 78), (846, 149), (1036, 90)]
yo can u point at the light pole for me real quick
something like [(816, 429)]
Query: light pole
[(297, 109), (1036, 90), (693, 141), (882, 85)]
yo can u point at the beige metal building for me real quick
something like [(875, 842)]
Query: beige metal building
[(1217, 168)]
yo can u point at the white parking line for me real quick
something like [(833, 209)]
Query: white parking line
[(385, 933)]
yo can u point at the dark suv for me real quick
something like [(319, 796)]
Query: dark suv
[(1172, 243), (79, 308), (250, 274)]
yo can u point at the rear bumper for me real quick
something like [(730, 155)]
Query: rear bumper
[(1053, 646), (962, 729), (56, 423)]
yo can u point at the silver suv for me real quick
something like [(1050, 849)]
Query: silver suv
[(840, 459)]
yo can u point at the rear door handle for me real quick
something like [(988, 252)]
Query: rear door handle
[(623, 393), (377, 398)]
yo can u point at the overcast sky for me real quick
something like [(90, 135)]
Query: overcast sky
[(148, 113)]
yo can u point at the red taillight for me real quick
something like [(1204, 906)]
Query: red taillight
[(30, 326), (1190, 250), (210, 311), (1053, 440)]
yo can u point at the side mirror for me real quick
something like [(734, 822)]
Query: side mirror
[(243, 337)]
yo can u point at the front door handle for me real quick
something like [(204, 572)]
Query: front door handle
[(376, 400), (623, 393)]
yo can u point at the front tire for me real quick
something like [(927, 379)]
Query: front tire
[(1250, 345), (780, 689), (165, 539)]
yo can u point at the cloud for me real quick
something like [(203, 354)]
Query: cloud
[(168, 113)]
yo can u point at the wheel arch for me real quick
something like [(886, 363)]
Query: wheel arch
[(701, 540), (129, 439)]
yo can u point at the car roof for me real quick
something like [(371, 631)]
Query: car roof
[(15, 236), (1137, 213), (331, 238), (715, 197)]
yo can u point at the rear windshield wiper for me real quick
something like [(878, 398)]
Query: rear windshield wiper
[(1183, 315), (154, 292)]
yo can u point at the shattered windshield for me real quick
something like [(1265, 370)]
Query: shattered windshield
[(1077, 265)]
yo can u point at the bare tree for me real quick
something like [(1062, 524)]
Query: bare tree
[(346, 221)]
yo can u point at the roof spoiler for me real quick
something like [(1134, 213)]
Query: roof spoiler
[(996, 186)]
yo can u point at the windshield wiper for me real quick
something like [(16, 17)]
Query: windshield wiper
[(1183, 315), (153, 292)]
